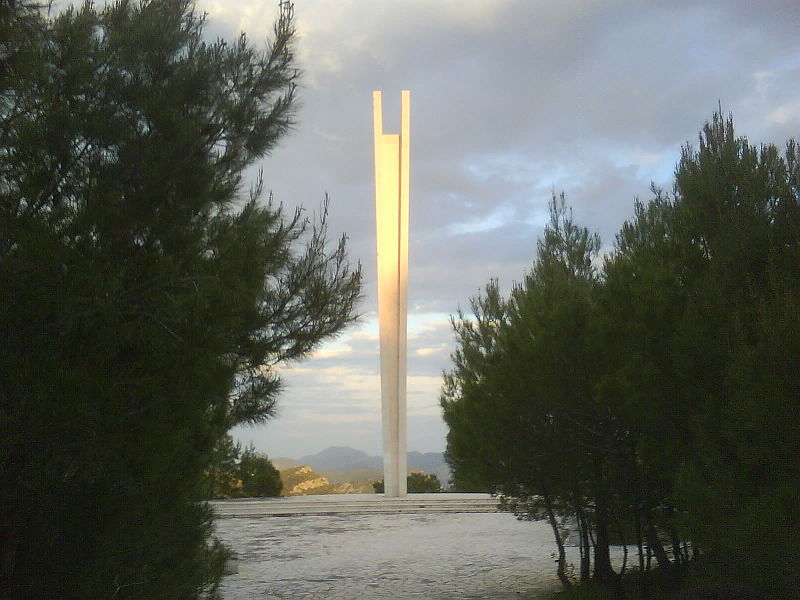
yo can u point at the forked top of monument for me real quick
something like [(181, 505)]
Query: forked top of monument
[(405, 97)]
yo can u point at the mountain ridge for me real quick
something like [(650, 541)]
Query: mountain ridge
[(345, 458)]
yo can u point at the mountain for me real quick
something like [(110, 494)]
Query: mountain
[(282, 462), (342, 458), (337, 477), (433, 463), (428, 461), (302, 480)]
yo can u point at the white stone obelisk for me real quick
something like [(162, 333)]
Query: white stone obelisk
[(391, 218)]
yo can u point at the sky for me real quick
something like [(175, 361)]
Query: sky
[(511, 100)]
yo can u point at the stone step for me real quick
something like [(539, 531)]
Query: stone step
[(351, 504)]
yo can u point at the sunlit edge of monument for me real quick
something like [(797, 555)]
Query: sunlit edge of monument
[(391, 220)]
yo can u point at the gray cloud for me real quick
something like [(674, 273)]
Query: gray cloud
[(511, 99)]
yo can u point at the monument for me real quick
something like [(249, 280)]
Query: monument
[(391, 218)]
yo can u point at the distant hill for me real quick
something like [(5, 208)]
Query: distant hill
[(336, 477), (302, 480), (433, 463), (353, 482), (336, 461), (282, 463), (342, 458)]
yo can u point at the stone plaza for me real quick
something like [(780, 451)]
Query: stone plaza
[(358, 546)]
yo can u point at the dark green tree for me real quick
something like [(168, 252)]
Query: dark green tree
[(521, 390), (659, 396), (469, 394), (416, 483), (423, 483), (145, 303), (258, 475), (223, 471), (640, 305), (691, 301), (738, 205)]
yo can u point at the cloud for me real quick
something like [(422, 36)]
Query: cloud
[(429, 351), (788, 112), (510, 101)]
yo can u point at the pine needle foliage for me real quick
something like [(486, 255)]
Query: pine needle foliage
[(146, 299), (652, 402)]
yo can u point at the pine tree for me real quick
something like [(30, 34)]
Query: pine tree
[(146, 303)]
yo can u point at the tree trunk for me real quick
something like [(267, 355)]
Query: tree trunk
[(562, 556), (676, 547), (585, 547), (653, 542), (624, 542), (640, 548), (603, 572), (676, 540)]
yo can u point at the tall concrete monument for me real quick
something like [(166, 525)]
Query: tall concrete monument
[(391, 218)]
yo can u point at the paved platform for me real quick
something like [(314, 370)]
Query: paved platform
[(489, 556), (353, 504)]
